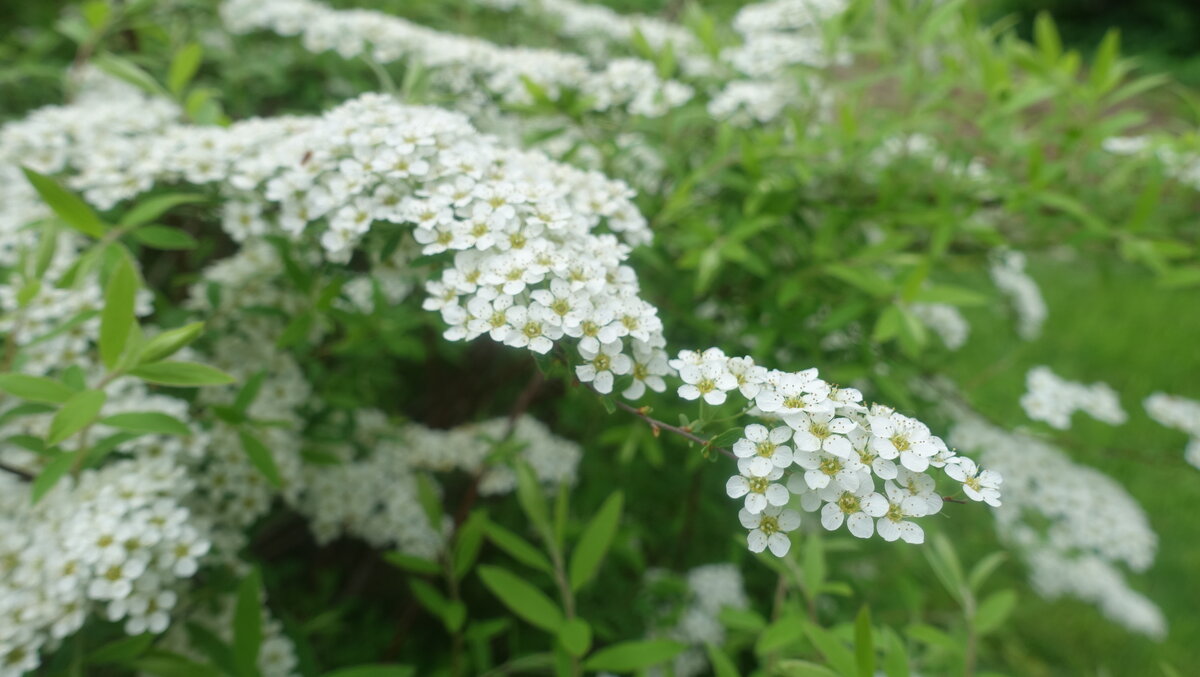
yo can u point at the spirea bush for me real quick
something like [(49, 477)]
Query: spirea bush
[(529, 337)]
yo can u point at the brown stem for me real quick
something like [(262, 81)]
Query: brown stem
[(25, 475), (657, 425)]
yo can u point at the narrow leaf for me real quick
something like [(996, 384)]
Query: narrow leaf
[(260, 457), (69, 207), (169, 342), (182, 374), (35, 388), (522, 598), (147, 422), (117, 317), (633, 656), (75, 414), (247, 625), (594, 542)]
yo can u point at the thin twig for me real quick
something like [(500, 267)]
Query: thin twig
[(656, 425), (25, 475)]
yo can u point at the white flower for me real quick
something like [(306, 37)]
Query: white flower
[(896, 435), (769, 529), (978, 486), (820, 431), (759, 490), (822, 468), (710, 380), (901, 505), (649, 367), (602, 365), (764, 450), (856, 508)]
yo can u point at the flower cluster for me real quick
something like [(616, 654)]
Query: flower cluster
[(836, 450), (593, 26), (945, 320), (1008, 274), (1053, 399), (116, 542), (711, 588), (467, 64), (1181, 414), (1072, 524)]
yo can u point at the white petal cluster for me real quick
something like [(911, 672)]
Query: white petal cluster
[(711, 588), (944, 320), (115, 543), (857, 465), (594, 26), (1008, 274), (624, 84), (1181, 414), (276, 657), (782, 33), (1053, 399), (1073, 525)]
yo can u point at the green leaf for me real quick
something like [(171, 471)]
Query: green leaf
[(994, 610), (184, 67), (149, 209), (374, 670), (522, 598), (124, 69), (945, 564), (181, 374), (864, 643), (35, 388), (164, 237), (247, 625), (218, 652), (122, 650), (153, 422), (517, 547), (1104, 74), (533, 500), (167, 664), (944, 293), (633, 656), (984, 568), (467, 543), (594, 542), (814, 571), (934, 637), (169, 342), (832, 649), (260, 456), (895, 660), (780, 634), (50, 475), (428, 497), (75, 414), (452, 613), (1045, 36), (864, 279), (416, 565), (117, 318), (794, 667), (575, 636), (69, 207), (722, 664)]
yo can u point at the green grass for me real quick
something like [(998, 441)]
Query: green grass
[(1108, 322)]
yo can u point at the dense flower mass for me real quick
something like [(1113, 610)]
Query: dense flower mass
[(1074, 526), (464, 64), (1181, 414), (1052, 399)]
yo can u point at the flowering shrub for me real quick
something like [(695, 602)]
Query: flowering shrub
[(279, 385)]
